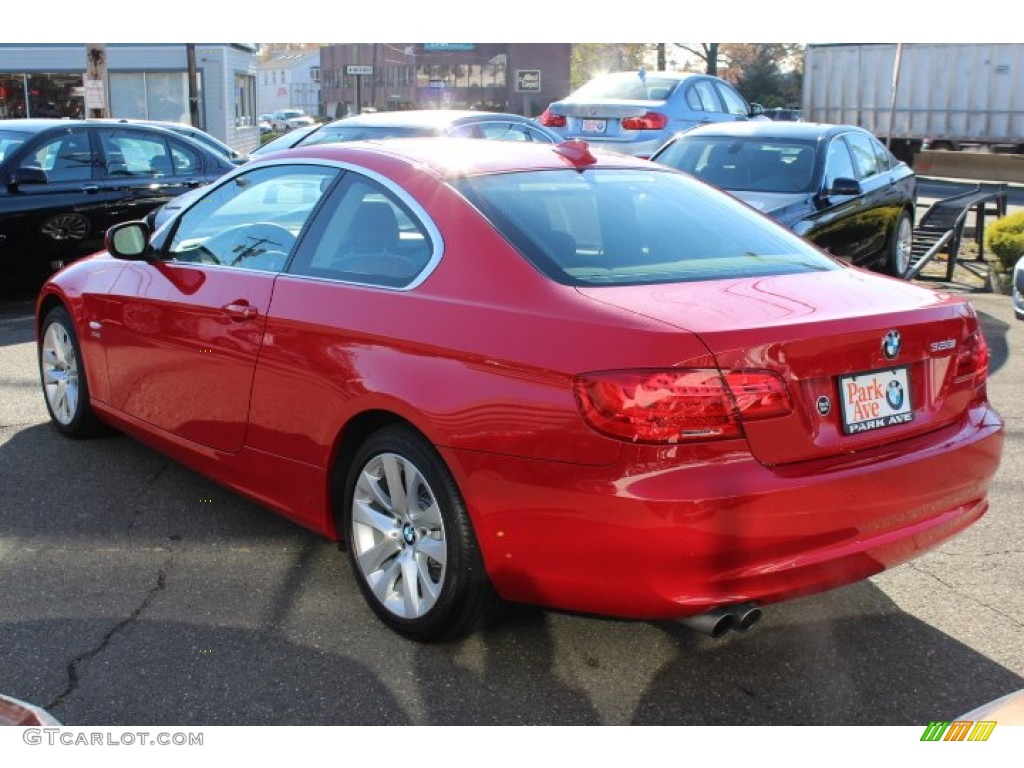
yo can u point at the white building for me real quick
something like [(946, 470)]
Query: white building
[(146, 81), (290, 81)]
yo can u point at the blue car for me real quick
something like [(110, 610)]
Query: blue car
[(636, 112)]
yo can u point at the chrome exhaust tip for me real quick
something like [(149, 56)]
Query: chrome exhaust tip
[(746, 615), (713, 623)]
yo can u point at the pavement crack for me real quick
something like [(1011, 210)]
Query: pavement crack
[(1009, 618), (73, 666)]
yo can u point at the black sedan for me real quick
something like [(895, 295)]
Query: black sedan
[(65, 182), (835, 185)]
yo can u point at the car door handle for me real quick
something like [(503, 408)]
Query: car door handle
[(90, 189), (240, 310), (193, 184)]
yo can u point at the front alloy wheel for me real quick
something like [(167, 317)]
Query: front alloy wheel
[(65, 387), (411, 543)]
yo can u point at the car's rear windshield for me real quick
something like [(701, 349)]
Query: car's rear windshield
[(627, 86), (746, 164), (606, 226), (10, 141), (330, 135)]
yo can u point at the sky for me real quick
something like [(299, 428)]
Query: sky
[(481, 21)]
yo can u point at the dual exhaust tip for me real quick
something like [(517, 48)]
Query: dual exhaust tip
[(719, 621)]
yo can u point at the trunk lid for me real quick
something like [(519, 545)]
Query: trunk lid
[(868, 360)]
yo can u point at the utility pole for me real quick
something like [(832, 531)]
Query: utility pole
[(661, 58), (96, 103), (193, 86)]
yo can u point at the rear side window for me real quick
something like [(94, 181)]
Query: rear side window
[(626, 227), (185, 160), (365, 234)]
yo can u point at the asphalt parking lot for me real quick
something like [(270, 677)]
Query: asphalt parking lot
[(136, 592)]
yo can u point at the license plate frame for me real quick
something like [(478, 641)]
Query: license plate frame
[(594, 126), (871, 400)]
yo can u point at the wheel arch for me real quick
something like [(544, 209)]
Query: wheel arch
[(353, 434)]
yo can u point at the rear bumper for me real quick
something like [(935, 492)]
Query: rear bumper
[(650, 538)]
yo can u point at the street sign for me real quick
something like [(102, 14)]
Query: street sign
[(95, 95), (358, 69), (528, 80)]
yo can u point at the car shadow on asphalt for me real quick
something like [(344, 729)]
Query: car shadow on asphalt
[(995, 331), (136, 592)]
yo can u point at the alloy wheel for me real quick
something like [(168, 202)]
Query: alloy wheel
[(398, 536), (60, 373)]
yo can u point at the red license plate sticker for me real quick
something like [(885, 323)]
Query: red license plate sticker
[(875, 400)]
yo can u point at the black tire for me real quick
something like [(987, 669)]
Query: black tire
[(900, 246), (63, 379), (429, 539)]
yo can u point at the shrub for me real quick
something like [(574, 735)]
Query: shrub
[(1005, 238)]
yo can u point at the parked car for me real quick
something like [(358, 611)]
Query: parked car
[(782, 113), (211, 142), (637, 112), (286, 140), (265, 127), (65, 182), (1018, 289), (534, 373), (835, 185), (285, 120), (458, 123)]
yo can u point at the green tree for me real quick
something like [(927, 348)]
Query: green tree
[(770, 74)]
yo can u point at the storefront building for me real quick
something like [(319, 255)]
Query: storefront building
[(515, 77), (147, 82)]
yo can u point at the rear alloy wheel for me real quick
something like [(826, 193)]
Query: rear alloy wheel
[(65, 387), (410, 540), (901, 243)]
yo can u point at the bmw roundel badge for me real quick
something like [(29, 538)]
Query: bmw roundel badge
[(891, 344), (894, 395)]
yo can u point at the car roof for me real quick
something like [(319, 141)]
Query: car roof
[(450, 157), (438, 118), (771, 129), (37, 124), (658, 73)]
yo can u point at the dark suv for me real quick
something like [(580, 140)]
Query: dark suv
[(63, 183)]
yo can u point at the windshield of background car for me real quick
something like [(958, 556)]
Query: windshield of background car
[(330, 135), (744, 164), (10, 141), (628, 86), (632, 227)]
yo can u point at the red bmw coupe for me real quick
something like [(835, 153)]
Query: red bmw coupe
[(532, 373)]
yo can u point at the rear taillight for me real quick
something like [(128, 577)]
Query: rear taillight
[(650, 121), (678, 405), (972, 365), (551, 120)]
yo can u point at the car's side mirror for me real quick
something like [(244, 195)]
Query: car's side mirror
[(26, 175), (843, 187), (756, 110), (128, 240)]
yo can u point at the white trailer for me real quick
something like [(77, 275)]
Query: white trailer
[(947, 95)]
